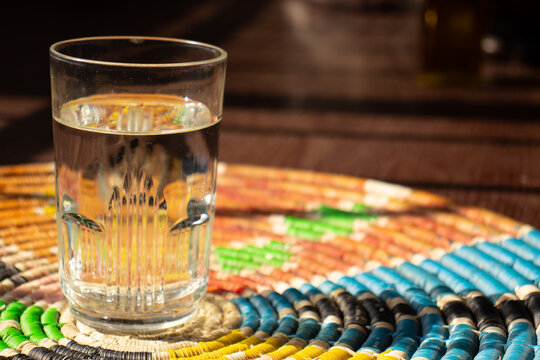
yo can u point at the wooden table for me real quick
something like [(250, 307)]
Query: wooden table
[(327, 88)]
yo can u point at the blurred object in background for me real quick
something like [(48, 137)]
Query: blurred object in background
[(450, 44), (513, 31), (511, 46), (368, 5)]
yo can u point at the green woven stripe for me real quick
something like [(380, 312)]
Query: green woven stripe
[(12, 337), (236, 262), (316, 226), (267, 253), (53, 332), (278, 245), (13, 311), (50, 316), (305, 234), (31, 323)]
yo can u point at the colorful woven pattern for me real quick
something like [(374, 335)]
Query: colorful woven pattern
[(305, 266)]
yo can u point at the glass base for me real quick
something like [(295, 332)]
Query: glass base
[(126, 325)]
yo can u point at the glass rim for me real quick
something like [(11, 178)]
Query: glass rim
[(221, 54)]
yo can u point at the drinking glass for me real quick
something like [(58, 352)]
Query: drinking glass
[(135, 124)]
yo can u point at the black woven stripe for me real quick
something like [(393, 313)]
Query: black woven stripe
[(457, 309), (327, 307), (512, 310), (7, 272), (485, 312), (403, 309), (123, 355), (63, 350), (353, 311), (41, 353), (378, 311), (19, 357), (532, 301), (306, 308), (85, 349)]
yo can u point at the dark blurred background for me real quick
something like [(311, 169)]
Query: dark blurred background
[(509, 30), (436, 94)]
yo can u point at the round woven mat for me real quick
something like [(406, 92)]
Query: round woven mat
[(305, 265)]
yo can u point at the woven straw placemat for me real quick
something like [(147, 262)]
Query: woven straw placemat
[(305, 265)]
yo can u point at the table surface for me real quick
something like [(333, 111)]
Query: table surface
[(333, 89)]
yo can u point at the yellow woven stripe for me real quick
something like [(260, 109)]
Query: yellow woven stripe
[(220, 352), (208, 346), (246, 344), (284, 351), (271, 344), (335, 354), (308, 353), (232, 338), (364, 356), (251, 341), (386, 356)]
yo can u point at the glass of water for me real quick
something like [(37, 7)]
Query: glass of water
[(135, 123)]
